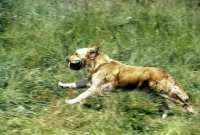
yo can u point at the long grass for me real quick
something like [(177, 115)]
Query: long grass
[(36, 36)]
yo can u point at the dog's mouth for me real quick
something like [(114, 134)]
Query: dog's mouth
[(75, 64)]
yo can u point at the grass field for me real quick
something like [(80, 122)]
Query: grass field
[(36, 36)]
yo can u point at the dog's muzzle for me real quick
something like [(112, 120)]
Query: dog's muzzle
[(74, 64)]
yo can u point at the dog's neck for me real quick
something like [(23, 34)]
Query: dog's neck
[(92, 65)]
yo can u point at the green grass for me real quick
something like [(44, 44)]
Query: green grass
[(36, 36)]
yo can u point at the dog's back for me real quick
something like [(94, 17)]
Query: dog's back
[(118, 75)]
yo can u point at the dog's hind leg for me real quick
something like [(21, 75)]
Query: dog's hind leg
[(177, 94), (168, 88), (161, 104), (164, 108)]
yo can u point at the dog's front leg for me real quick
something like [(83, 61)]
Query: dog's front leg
[(81, 84), (82, 96), (96, 83)]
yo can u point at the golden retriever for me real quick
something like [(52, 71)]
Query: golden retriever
[(105, 73)]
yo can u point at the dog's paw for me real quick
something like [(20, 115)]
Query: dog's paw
[(104, 87), (191, 110), (61, 85), (107, 87), (70, 102), (164, 116)]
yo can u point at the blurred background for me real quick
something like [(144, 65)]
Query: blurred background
[(37, 35)]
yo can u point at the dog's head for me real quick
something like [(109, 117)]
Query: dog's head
[(80, 57)]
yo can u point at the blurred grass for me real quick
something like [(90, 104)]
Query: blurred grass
[(36, 36)]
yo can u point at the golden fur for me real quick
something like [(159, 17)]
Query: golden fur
[(106, 73)]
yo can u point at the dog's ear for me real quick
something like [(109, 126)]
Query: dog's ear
[(94, 51), (95, 48)]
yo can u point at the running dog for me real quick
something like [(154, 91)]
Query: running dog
[(105, 73)]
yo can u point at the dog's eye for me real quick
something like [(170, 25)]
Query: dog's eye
[(76, 54)]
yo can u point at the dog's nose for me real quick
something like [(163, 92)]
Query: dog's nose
[(67, 60)]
